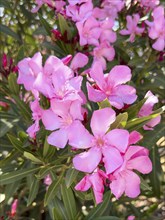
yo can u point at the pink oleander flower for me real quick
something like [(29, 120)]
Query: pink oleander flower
[(149, 3), (103, 144), (132, 28), (80, 12), (47, 180), (96, 181), (131, 217), (63, 115), (28, 70), (107, 34), (111, 86), (109, 9), (89, 31), (36, 116), (124, 179), (157, 28), (54, 80), (102, 53), (146, 110)]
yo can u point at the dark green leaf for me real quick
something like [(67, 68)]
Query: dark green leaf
[(33, 191), (71, 175), (6, 30)]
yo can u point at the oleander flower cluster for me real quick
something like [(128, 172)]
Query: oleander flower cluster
[(110, 157)]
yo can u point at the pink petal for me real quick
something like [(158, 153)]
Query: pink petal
[(112, 159), (142, 164), (134, 137), (76, 82), (87, 161), (98, 186), (60, 108), (97, 74), (79, 61), (106, 116), (126, 93), (36, 63), (50, 120), (95, 95), (159, 44), (118, 138), (119, 74), (118, 187), (79, 137), (75, 110), (152, 123), (132, 183), (124, 32), (58, 138), (84, 184), (135, 151), (116, 101)]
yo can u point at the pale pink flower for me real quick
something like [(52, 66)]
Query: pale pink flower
[(124, 179), (28, 70), (132, 28), (89, 31), (147, 109), (107, 34), (94, 180), (80, 12), (131, 217), (47, 180), (63, 115), (111, 86), (102, 53), (102, 144), (36, 116), (157, 28)]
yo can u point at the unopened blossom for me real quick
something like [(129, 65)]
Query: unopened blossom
[(157, 28), (14, 207), (103, 144), (61, 118), (36, 116), (94, 180), (147, 109), (124, 179), (89, 31), (132, 27), (102, 53), (111, 86)]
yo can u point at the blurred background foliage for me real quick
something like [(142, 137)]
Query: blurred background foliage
[(28, 162)]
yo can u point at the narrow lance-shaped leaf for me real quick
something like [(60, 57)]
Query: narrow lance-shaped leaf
[(33, 191)]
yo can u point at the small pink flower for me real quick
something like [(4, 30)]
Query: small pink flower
[(132, 28), (156, 28), (94, 180), (47, 180), (89, 31), (14, 207), (64, 115), (102, 144), (111, 86), (131, 217), (124, 179), (146, 110)]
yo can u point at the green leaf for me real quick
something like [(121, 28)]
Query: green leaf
[(120, 121), (43, 172), (104, 104), (17, 144), (69, 201), (107, 218), (7, 125), (155, 175), (33, 191), (134, 109), (71, 175), (13, 86), (11, 189), (64, 26), (144, 185), (6, 30), (5, 4), (57, 210), (48, 150), (31, 157), (52, 190), (17, 175), (101, 208), (45, 24)]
